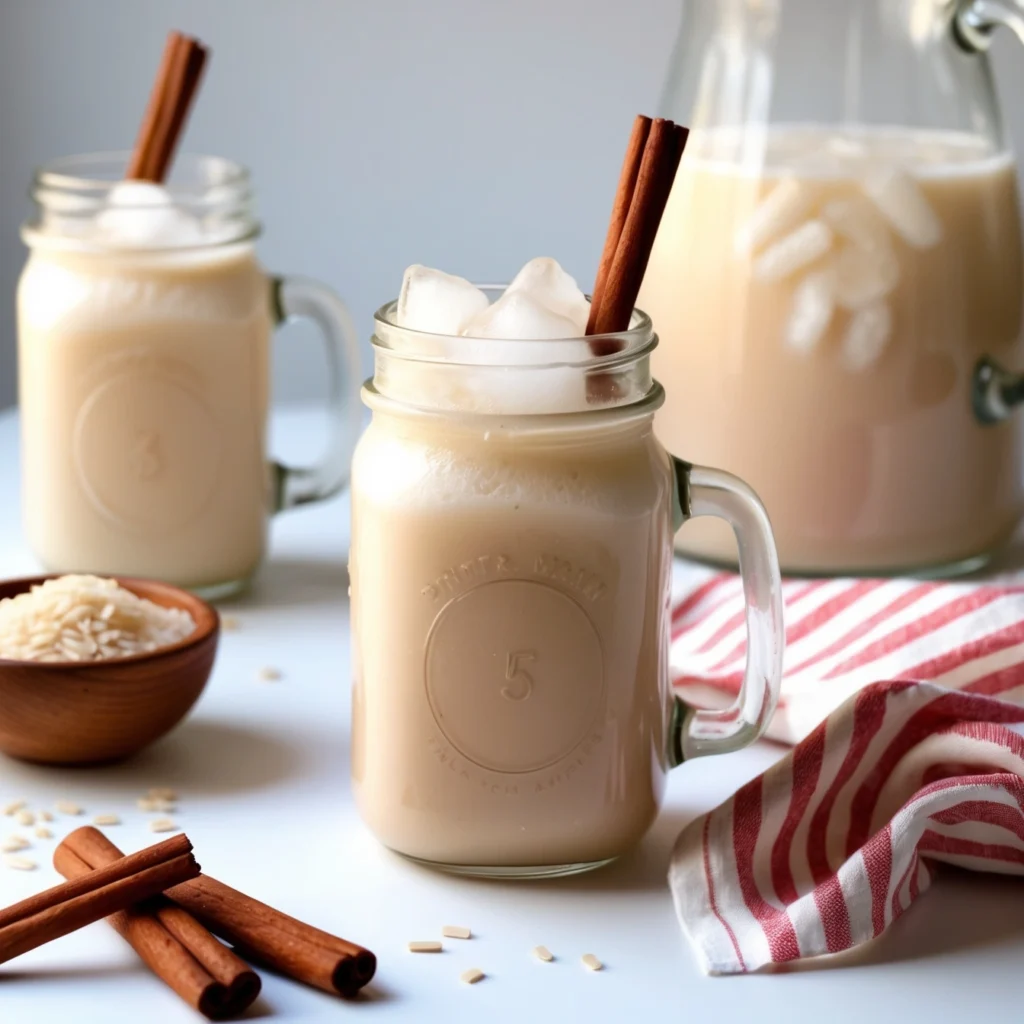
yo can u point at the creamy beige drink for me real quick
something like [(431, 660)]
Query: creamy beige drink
[(143, 392), (509, 596), (510, 568), (820, 319), (144, 323)]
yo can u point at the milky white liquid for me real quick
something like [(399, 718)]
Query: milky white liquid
[(143, 393), (881, 467), (509, 606)]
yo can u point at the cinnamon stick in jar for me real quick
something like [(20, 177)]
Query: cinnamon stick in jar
[(658, 165), (174, 946), (620, 211), (170, 101), (645, 182), (79, 902)]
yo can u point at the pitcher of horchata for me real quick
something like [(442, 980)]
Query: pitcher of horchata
[(837, 283)]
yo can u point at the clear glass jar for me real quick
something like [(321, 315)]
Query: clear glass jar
[(510, 566), (839, 276), (144, 361)]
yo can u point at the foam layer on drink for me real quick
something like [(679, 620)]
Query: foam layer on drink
[(443, 473)]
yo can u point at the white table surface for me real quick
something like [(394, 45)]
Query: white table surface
[(262, 769)]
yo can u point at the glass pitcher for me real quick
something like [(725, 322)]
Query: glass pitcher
[(838, 279)]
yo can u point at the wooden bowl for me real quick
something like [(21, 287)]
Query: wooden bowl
[(81, 712)]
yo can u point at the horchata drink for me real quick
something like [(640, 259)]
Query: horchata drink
[(144, 323), (821, 310), (510, 570)]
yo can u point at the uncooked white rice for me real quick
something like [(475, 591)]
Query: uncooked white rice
[(86, 618)]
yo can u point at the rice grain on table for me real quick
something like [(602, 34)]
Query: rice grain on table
[(86, 618)]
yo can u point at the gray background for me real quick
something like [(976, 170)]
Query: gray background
[(466, 134)]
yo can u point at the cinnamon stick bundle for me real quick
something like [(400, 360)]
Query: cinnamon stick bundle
[(648, 171), (170, 101), (259, 932), (81, 901), (176, 948)]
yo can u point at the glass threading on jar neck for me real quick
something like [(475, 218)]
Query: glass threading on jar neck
[(555, 380), (213, 195)]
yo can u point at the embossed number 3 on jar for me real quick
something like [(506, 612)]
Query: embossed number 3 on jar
[(510, 567)]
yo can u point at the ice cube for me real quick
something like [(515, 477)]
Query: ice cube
[(857, 219), (902, 203), (783, 208), (866, 337), (845, 147), (544, 280), (814, 302), (437, 303), (519, 316), (864, 276), (143, 214), (797, 250)]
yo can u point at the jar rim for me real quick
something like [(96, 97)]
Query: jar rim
[(71, 192), (603, 350), (71, 173)]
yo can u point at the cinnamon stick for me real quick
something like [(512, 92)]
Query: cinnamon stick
[(180, 951), (66, 908), (620, 210), (170, 101), (270, 937), (658, 165)]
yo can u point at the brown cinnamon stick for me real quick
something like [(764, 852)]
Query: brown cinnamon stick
[(259, 932), (658, 165), (620, 210), (68, 907), (282, 943), (180, 951), (170, 101)]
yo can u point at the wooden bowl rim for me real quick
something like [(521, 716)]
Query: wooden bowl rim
[(205, 616)]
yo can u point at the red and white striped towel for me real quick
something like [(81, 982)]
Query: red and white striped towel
[(833, 843), (844, 634)]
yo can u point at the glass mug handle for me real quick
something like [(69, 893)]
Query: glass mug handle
[(294, 298), (695, 733)]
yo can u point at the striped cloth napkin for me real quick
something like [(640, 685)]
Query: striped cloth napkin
[(844, 634), (889, 778)]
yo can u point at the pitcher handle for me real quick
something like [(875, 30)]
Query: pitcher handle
[(302, 298), (974, 21), (695, 733)]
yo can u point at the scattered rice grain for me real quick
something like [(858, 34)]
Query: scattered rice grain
[(79, 618), (269, 674), (106, 819), (472, 976), (230, 624), (543, 953), (42, 832), (162, 825), (162, 793), (13, 860), (425, 947), (25, 817), (151, 805), (455, 931), (13, 807), (14, 844), (45, 816), (67, 807), (591, 962)]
